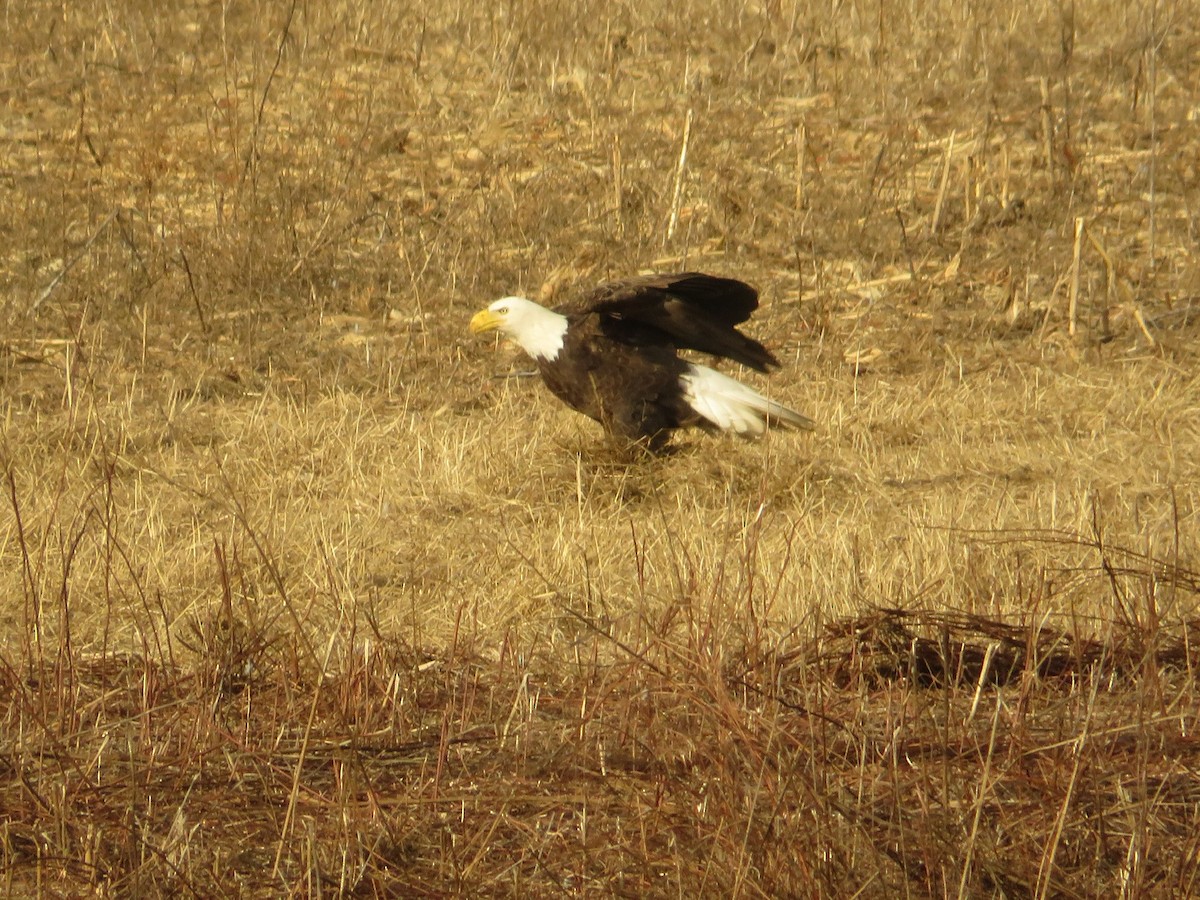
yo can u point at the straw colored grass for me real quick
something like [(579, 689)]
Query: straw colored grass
[(305, 592)]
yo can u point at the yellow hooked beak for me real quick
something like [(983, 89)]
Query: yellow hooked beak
[(484, 320)]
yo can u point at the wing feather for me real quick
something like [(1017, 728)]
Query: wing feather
[(688, 310)]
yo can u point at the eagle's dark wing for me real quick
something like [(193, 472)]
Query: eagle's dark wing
[(689, 311)]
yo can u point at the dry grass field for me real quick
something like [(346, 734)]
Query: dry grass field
[(304, 592)]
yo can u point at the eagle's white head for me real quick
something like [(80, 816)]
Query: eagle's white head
[(538, 330)]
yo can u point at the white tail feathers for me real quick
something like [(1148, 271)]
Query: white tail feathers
[(732, 406)]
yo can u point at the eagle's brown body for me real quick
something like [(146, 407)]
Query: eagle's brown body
[(633, 392)]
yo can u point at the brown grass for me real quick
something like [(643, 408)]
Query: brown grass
[(303, 596)]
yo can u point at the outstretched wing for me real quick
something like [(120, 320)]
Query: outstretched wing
[(688, 311)]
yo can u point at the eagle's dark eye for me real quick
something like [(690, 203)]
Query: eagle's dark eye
[(503, 310)]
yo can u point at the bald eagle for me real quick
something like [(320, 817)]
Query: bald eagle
[(612, 354)]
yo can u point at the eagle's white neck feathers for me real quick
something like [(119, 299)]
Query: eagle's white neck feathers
[(538, 330)]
